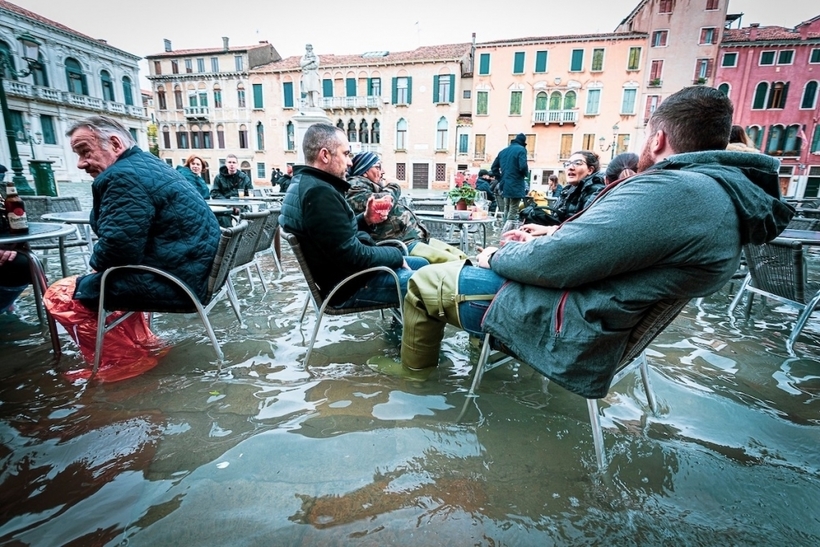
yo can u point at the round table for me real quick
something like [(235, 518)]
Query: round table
[(462, 224), (80, 218)]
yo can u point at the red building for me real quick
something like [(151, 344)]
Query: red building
[(772, 75)]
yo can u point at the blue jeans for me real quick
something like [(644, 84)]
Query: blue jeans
[(472, 281), (381, 288)]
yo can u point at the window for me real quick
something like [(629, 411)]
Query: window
[(482, 102), (196, 137), (257, 96), (588, 141), (217, 97), (200, 65), (161, 102), (290, 135), (421, 176), (350, 87), (628, 102), (220, 136), (441, 172), (75, 77), (166, 137), (207, 138), (178, 98), (814, 56), (402, 90), (703, 70), (127, 91), (483, 64), (189, 66), (174, 66), (240, 96), (809, 95), (351, 131), (515, 103), (707, 36), (214, 64), (761, 91), (463, 144), (239, 63), (480, 146), (656, 72), (260, 136), (767, 57), (287, 94), (711, 5), (597, 60), (107, 86), (441, 134), (47, 128), (815, 142), (565, 149), (659, 38), (260, 170), (466, 94), (724, 88), (665, 6), (364, 134), (39, 73), (569, 100), (401, 171), (785, 57), (401, 134), (729, 60), (376, 132), (157, 67), (755, 134), (593, 102), (576, 63), (652, 102), (777, 95), (518, 62), (243, 136), (444, 88), (374, 87), (634, 61), (540, 61), (182, 137), (203, 99)]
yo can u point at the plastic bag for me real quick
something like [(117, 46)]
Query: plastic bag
[(129, 349)]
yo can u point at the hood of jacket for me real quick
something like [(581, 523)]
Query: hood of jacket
[(521, 139), (752, 183)]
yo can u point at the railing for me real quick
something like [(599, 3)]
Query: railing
[(84, 101), (555, 116), (197, 112), (26, 90), (330, 103)]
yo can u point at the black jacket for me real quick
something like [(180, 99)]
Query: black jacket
[(510, 169), (228, 186), (331, 235), (577, 198)]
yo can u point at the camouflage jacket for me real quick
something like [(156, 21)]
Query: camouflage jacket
[(401, 224)]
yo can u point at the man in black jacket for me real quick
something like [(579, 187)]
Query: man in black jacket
[(333, 238)]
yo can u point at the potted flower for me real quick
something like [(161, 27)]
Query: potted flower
[(462, 196)]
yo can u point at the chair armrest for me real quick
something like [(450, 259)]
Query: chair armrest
[(159, 272), (395, 243), (349, 278)]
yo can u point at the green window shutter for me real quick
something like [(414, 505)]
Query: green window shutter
[(395, 91), (257, 96), (370, 87), (452, 88), (577, 63), (409, 89), (435, 89), (518, 63), (287, 91), (350, 87), (327, 87), (484, 63), (540, 61), (760, 96)]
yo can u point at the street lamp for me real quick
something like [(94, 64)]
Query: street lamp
[(613, 145), (31, 54), (25, 136)]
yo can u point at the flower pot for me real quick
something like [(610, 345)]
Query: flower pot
[(461, 205)]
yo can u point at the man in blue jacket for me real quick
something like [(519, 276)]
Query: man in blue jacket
[(510, 169)]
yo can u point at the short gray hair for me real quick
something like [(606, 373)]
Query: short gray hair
[(104, 128), (318, 136)]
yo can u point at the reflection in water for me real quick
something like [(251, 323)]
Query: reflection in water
[(265, 452)]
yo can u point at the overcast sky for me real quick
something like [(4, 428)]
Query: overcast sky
[(356, 26)]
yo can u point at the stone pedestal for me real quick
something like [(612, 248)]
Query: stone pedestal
[(304, 119)]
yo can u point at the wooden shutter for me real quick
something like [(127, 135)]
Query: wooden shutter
[(435, 89)]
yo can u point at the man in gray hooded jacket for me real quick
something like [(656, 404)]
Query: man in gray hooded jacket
[(566, 297)]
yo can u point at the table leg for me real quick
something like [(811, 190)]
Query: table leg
[(39, 283), (464, 242)]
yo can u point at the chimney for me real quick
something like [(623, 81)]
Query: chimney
[(167, 44), (803, 29), (753, 31), (225, 43)]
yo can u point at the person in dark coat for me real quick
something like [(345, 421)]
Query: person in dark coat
[(554, 187), (484, 184), (584, 182), (230, 180), (510, 169), (284, 180), (191, 172), (332, 236)]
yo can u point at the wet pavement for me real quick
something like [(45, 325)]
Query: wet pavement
[(264, 451)]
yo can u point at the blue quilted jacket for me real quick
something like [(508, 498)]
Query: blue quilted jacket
[(145, 213)]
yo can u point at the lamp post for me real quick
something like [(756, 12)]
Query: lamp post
[(31, 55), (613, 145), (25, 136)]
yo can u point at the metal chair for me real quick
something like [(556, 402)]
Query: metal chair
[(777, 270), (655, 320), (246, 249), (321, 304), (217, 287), (267, 244), (800, 223), (36, 207)]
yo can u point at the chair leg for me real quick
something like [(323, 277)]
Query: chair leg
[(597, 434), (234, 300), (647, 388), (211, 334), (313, 336), (304, 307), (801, 322), (738, 296), (261, 276), (479, 367)]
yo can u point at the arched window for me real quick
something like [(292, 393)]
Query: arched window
[(755, 134), (38, 72), (260, 136), (243, 136), (775, 146), (8, 71), (162, 103), (759, 102), (401, 134), (240, 95), (569, 100), (107, 86), (127, 92), (217, 96), (541, 101), (245, 167), (791, 147), (809, 99), (351, 131), (178, 97), (375, 132), (777, 96), (291, 136), (75, 77), (555, 100), (364, 136), (166, 137), (340, 124), (441, 134), (724, 88)]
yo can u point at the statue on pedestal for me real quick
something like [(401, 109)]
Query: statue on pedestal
[(310, 78)]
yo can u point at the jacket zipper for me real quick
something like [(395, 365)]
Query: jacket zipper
[(559, 312)]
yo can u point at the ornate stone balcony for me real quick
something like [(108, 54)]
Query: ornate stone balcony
[(351, 103), (555, 116), (51, 95)]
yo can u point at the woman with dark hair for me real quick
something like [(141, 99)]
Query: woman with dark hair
[(191, 171), (622, 166), (739, 141), (584, 182)]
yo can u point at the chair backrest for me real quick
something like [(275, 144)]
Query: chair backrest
[(303, 265), (800, 223), (657, 318), (777, 267), (443, 232), (37, 206), (247, 245), (224, 258), (269, 229)]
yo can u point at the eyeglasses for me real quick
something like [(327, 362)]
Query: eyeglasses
[(576, 163)]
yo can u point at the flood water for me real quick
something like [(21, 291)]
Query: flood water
[(266, 451)]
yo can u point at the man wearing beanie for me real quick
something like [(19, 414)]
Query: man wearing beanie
[(510, 170), (367, 179)]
